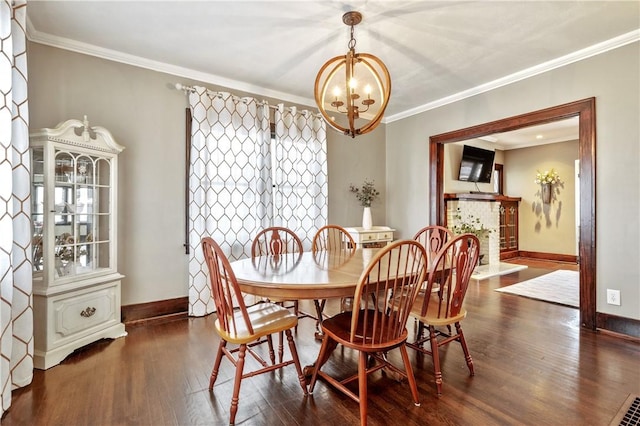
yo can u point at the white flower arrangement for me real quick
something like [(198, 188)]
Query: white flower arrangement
[(548, 176)]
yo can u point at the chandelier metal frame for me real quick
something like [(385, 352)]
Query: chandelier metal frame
[(350, 105)]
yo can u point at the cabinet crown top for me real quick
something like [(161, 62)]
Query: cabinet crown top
[(79, 133)]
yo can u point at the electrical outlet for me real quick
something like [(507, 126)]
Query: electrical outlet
[(613, 297)]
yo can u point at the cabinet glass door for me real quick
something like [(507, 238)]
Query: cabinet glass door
[(503, 227), (82, 214), (37, 207)]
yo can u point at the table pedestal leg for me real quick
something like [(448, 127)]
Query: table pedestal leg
[(319, 304), (308, 370)]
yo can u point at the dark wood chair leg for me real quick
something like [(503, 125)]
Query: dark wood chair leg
[(362, 386), (296, 361), (420, 339), (436, 358), (410, 377), (216, 364), (272, 354), (280, 347), (465, 349), (236, 384)]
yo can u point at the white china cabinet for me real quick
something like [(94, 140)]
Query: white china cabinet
[(76, 283)]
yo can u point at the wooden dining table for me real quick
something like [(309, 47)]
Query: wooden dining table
[(308, 275), (318, 275), (314, 276)]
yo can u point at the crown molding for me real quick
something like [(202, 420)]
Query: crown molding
[(137, 61), (576, 56)]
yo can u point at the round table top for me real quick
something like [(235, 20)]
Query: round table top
[(310, 275)]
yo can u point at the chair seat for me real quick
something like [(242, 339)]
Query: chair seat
[(266, 318), (431, 318), (339, 328)]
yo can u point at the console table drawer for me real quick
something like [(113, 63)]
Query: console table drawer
[(385, 236), (376, 236)]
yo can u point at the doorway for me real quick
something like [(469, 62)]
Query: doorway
[(585, 111)]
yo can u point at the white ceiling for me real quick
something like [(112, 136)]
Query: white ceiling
[(557, 131), (436, 51)]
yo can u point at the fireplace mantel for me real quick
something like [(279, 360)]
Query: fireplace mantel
[(468, 196)]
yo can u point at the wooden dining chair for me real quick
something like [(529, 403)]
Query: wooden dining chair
[(245, 326), (450, 271), (275, 241), (330, 237), (433, 238), (375, 328)]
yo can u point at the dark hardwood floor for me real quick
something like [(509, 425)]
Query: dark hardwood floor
[(534, 366)]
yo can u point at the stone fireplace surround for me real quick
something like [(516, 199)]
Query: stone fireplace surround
[(486, 207)]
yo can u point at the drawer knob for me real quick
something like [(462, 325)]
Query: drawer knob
[(88, 312)]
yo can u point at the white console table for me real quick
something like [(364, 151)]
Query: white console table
[(376, 236)]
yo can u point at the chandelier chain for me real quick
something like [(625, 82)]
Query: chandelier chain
[(352, 41)]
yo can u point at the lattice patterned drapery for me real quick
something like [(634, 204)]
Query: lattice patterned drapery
[(229, 182), (240, 182), (16, 313), (301, 184)]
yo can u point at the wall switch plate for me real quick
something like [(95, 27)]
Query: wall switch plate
[(613, 297)]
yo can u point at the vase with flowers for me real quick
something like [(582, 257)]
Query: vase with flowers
[(365, 194), (546, 180)]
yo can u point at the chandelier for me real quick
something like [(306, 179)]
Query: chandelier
[(355, 86)]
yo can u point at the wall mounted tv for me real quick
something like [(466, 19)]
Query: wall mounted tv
[(476, 164)]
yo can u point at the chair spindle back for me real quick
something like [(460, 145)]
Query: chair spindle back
[(224, 288), (394, 277), (433, 238), (450, 272), (274, 241), (332, 237)]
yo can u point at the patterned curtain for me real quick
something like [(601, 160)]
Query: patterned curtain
[(16, 315), (229, 182), (301, 185)]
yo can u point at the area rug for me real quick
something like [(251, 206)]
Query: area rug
[(561, 287)]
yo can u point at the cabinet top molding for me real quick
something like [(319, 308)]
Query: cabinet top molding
[(79, 133), (480, 197)]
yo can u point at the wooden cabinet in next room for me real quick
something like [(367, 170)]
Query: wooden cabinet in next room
[(509, 228)]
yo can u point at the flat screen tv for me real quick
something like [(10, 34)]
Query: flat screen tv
[(476, 164)]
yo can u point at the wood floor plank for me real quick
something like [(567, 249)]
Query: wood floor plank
[(534, 365)]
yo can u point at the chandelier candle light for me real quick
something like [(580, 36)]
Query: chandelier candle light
[(357, 85)]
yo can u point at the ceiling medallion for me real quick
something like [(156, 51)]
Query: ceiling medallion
[(356, 86)]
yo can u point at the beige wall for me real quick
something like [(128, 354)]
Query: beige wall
[(613, 79), (147, 116), (545, 228)]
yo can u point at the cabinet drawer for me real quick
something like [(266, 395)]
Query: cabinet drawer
[(80, 313), (385, 236), (369, 236)]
